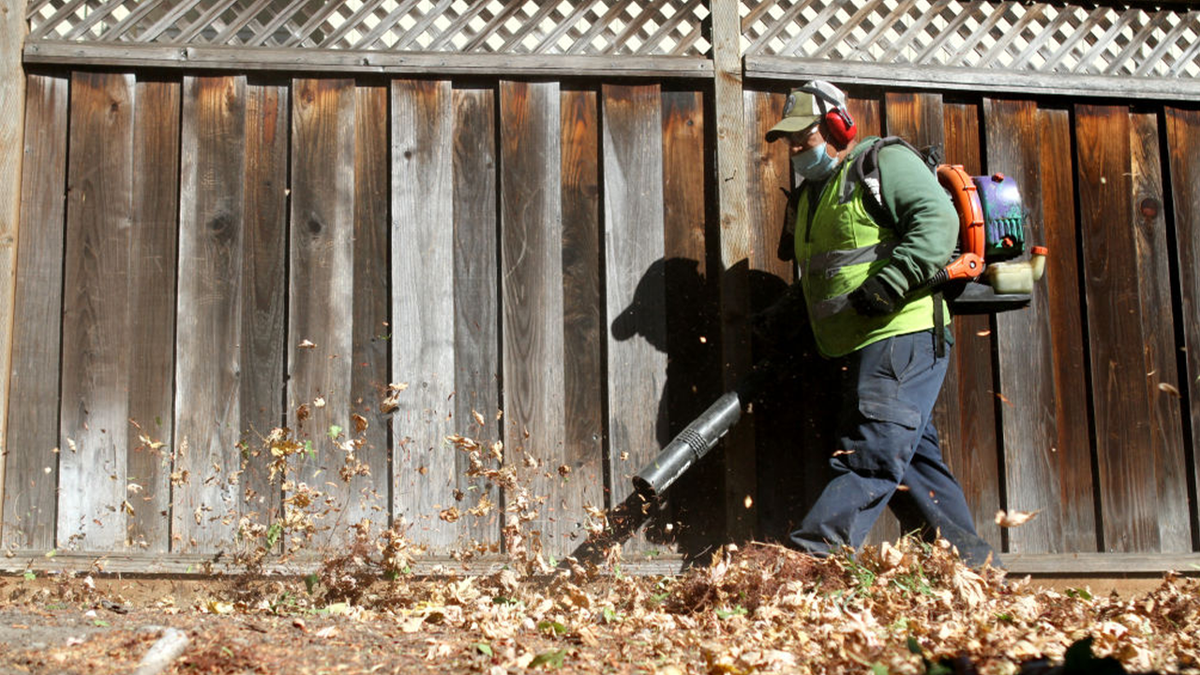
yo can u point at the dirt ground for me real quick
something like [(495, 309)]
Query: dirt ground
[(110, 629), (759, 610)]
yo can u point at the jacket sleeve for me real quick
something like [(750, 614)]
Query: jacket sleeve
[(925, 219)]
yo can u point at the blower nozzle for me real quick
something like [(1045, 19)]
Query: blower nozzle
[(689, 446)]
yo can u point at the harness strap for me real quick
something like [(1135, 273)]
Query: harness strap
[(939, 323)]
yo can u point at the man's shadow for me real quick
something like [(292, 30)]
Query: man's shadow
[(690, 516)]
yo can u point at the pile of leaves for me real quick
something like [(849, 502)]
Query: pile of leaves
[(909, 607), (912, 607)]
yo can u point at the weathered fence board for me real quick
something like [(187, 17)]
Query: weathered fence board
[(476, 298), (94, 419), (968, 432), (532, 301), (1183, 146), (776, 418), (321, 286), (31, 462), (423, 306), (370, 492), (735, 243), (1072, 456), (692, 348), (1122, 420), (771, 447), (152, 305), (1136, 467), (635, 285), (209, 315), (583, 318), (1024, 351), (263, 290), (13, 89), (1161, 381)]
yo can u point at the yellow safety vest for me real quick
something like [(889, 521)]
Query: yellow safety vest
[(837, 247)]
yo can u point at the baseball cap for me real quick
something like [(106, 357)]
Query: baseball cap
[(806, 105)]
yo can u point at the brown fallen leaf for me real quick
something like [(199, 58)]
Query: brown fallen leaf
[(1170, 389), (1014, 518)]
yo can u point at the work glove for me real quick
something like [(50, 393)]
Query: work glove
[(874, 298)]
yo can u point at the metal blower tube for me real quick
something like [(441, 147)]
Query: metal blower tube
[(689, 446)]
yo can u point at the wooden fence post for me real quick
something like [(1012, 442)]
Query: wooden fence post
[(12, 118), (736, 251)]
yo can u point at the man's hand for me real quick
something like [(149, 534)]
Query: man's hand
[(874, 298)]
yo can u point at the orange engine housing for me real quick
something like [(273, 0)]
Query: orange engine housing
[(969, 264)]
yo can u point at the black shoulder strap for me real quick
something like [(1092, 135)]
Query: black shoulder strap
[(865, 171)]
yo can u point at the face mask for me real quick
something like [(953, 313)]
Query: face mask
[(814, 163)]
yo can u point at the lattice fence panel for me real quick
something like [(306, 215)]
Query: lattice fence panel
[(590, 27), (985, 35)]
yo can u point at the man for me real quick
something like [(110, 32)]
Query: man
[(863, 264)]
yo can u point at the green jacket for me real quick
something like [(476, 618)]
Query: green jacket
[(839, 245)]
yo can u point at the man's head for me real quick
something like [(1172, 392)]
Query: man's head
[(819, 107), (817, 127)]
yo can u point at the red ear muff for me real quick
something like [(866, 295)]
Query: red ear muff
[(837, 125), (839, 128)]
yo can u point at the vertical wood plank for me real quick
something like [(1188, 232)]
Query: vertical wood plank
[(423, 305), (1122, 420), (1024, 349), (94, 420), (31, 475), (778, 430), (369, 494), (917, 118), (1183, 148), (532, 298), (263, 289), (152, 306), (692, 318), (867, 115), (1126, 467), (737, 247), (13, 29), (321, 285), (209, 310), (1158, 335), (583, 322), (1141, 466), (476, 299), (1072, 454), (635, 286), (966, 415)]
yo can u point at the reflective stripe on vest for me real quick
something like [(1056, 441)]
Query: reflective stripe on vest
[(831, 262)]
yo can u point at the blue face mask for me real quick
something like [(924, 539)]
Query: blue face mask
[(814, 163)]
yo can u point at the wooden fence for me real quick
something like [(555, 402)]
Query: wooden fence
[(379, 229), (205, 258)]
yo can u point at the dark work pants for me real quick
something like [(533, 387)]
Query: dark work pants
[(886, 439)]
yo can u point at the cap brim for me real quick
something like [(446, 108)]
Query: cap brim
[(790, 125)]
